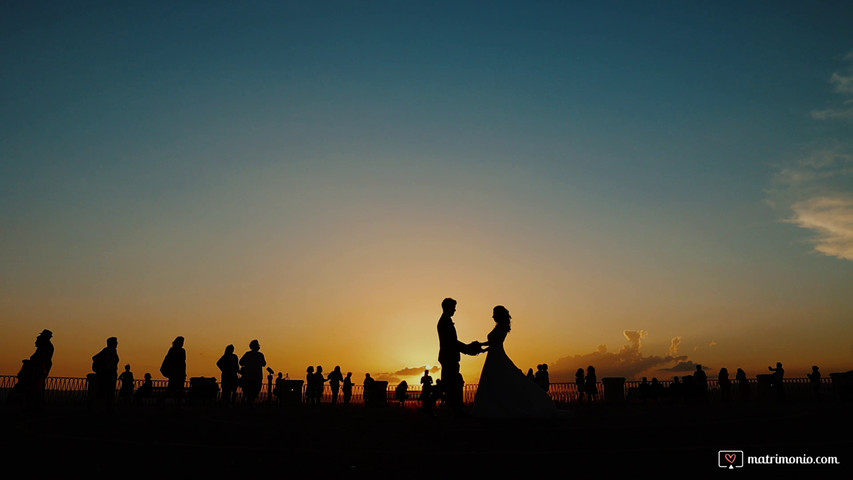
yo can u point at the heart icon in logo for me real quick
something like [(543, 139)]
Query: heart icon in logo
[(731, 457)]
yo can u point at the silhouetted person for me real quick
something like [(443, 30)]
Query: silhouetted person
[(252, 365), (542, 378), (335, 379), (402, 392), (743, 384), (644, 389), (34, 372), (369, 385), (43, 356), (449, 355), (105, 366), (125, 392), (814, 380), (426, 392), (310, 385), (279, 389), (437, 393), (319, 384), (700, 380), (591, 386), (174, 368), (530, 375), (656, 389), (229, 366), (778, 379), (688, 387), (426, 384), (146, 390), (676, 389), (431, 398), (347, 387), (579, 384), (725, 385)]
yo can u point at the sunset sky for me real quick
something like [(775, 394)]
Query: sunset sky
[(644, 185)]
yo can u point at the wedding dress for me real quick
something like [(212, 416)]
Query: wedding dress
[(504, 391)]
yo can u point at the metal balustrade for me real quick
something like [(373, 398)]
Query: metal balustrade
[(70, 390)]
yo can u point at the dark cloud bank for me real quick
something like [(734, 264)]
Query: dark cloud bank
[(628, 362)]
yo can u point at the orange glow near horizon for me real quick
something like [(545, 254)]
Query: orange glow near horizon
[(365, 294), (388, 338)]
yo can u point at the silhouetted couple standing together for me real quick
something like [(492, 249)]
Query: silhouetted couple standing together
[(503, 390)]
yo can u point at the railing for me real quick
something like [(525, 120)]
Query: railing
[(795, 389), (66, 390)]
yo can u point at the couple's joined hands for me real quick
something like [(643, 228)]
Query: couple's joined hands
[(476, 348)]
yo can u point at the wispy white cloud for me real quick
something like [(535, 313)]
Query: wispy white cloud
[(833, 113), (842, 84), (831, 218), (817, 190)]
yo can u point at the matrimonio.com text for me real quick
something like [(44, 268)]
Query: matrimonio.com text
[(732, 459)]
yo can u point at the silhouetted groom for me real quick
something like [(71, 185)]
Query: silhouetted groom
[(449, 352)]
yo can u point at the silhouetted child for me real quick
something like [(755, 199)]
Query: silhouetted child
[(814, 379), (579, 384), (146, 390), (437, 394), (542, 378), (402, 392), (125, 393)]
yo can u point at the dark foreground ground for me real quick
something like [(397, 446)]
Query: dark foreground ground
[(660, 440)]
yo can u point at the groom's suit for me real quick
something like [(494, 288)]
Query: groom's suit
[(449, 354)]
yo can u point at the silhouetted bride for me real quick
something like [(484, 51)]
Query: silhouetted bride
[(504, 390)]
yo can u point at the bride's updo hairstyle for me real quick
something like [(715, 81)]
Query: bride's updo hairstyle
[(502, 317)]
